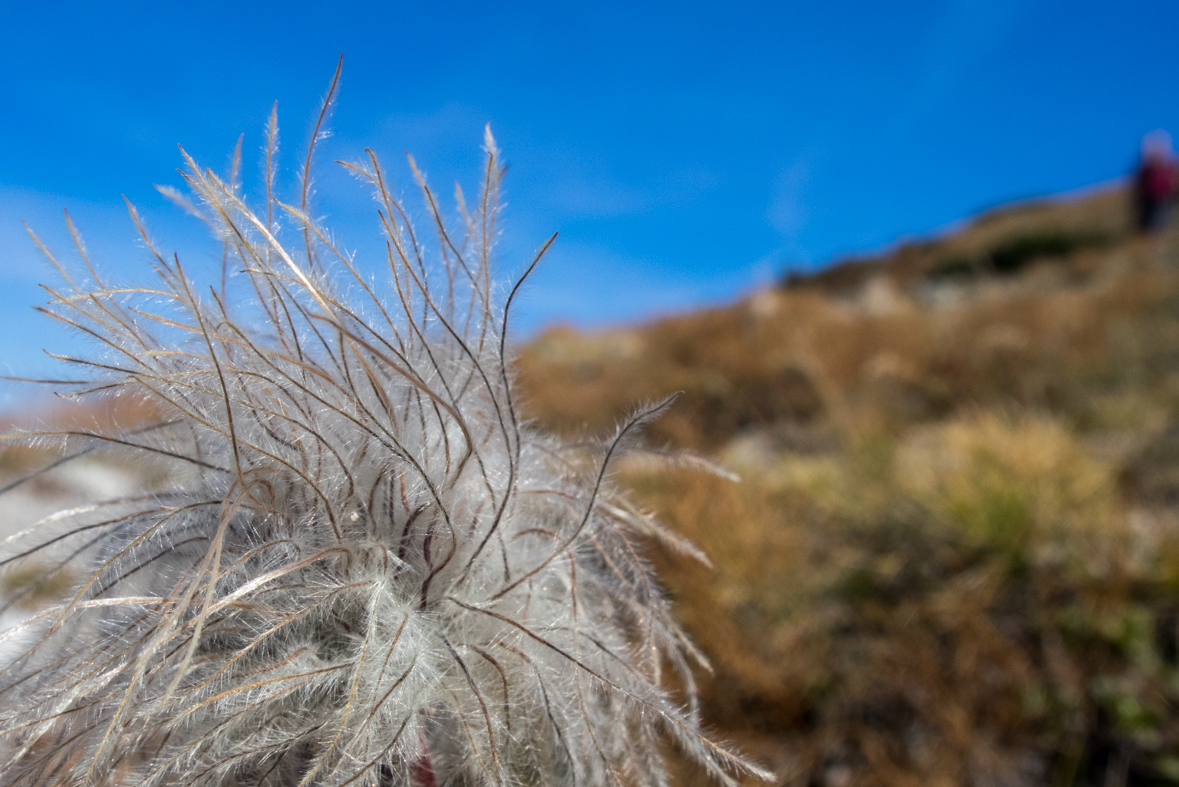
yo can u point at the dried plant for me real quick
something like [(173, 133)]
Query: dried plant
[(366, 569)]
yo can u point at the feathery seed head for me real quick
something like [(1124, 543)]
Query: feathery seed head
[(367, 569)]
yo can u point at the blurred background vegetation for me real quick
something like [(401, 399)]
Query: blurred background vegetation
[(953, 555)]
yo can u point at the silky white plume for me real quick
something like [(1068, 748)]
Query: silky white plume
[(366, 568)]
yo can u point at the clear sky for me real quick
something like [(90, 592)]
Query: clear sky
[(686, 152)]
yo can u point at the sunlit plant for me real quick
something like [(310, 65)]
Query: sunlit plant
[(366, 568)]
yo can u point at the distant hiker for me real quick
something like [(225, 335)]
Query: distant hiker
[(1156, 181)]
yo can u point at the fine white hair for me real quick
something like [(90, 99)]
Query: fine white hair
[(366, 568)]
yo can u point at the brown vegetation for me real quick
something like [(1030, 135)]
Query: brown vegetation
[(954, 554)]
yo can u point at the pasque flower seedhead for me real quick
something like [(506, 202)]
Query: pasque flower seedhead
[(365, 568)]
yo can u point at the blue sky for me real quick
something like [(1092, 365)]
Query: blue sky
[(686, 152)]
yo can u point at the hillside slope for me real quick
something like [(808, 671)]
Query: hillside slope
[(907, 336), (953, 557)]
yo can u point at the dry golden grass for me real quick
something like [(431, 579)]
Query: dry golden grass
[(803, 357), (966, 605), (953, 558)]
